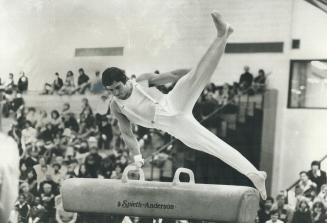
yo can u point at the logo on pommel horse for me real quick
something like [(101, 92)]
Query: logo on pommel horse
[(139, 204)]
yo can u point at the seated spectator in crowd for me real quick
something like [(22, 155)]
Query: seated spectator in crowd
[(83, 82), (31, 116), (31, 159), (108, 166), (37, 212), (29, 136), (322, 196), (274, 217), (82, 172), (284, 212), (302, 213), (88, 126), (42, 120), (48, 200), (86, 107), (58, 173), (246, 79), (32, 181), (13, 104), (318, 213), (118, 172), (316, 175), (93, 160), (23, 171), (23, 209), (69, 85), (42, 170), (25, 191), (264, 212), (70, 122), (306, 185), (10, 86), (105, 133), (259, 82), (223, 96), (97, 86), (55, 87), (63, 216), (22, 84)]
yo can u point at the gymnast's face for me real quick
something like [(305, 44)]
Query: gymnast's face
[(118, 89)]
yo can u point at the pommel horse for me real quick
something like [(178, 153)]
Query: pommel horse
[(175, 200)]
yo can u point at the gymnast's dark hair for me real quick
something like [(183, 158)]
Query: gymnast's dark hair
[(113, 74)]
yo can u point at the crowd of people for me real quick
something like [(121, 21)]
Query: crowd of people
[(68, 86), (305, 203), (61, 144)]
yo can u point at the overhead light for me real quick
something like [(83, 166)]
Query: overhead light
[(318, 64)]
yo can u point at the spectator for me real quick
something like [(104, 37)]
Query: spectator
[(97, 86), (259, 82), (316, 175), (32, 181), (57, 83), (83, 81), (23, 209), (47, 198), (318, 213), (38, 212), (82, 172), (93, 160), (108, 166), (31, 116), (69, 85), (25, 191), (306, 185), (10, 84), (29, 135), (322, 196), (118, 172), (85, 108), (22, 83), (41, 170), (70, 122), (246, 79), (42, 120), (274, 217), (265, 211), (58, 173), (105, 132), (285, 213), (55, 87), (302, 213)]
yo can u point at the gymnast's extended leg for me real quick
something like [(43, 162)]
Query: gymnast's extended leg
[(182, 99), (189, 87)]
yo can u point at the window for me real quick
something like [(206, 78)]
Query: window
[(308, 84)]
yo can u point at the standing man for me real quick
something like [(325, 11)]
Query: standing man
[(172, 112)]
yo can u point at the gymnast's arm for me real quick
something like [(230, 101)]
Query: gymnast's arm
[(163, 78), (125, 129)]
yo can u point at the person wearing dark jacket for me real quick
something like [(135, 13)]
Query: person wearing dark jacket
[(316, 175), (22, 83), (302, 213)]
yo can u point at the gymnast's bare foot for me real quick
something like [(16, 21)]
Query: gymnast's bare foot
[(258, 179), (221, 26)]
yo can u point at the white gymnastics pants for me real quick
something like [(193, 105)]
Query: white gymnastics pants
[(174, 115)]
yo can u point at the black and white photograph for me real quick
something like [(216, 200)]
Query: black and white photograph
[(175, 111)]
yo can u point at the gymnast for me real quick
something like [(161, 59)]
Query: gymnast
[(146, 106)]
